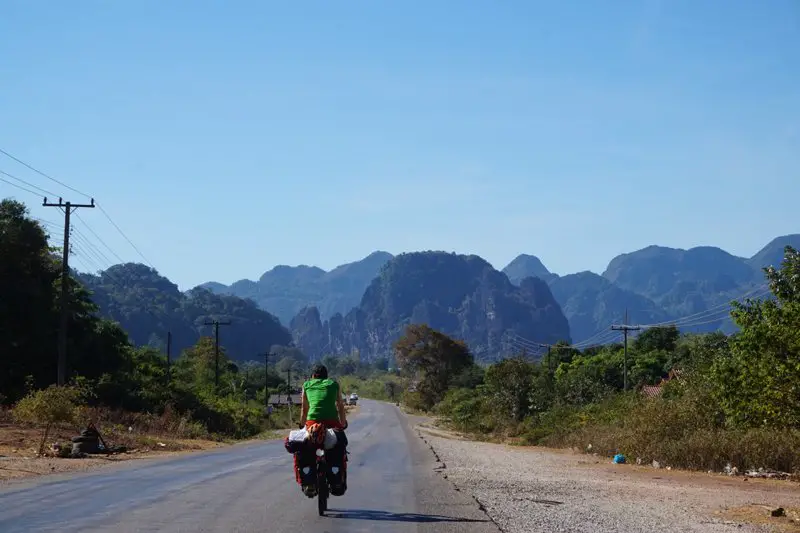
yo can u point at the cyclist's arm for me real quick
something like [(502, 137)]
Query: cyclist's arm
[(304, 411), (340, 406)]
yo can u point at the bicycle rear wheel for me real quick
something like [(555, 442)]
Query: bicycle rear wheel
[(322, 499)]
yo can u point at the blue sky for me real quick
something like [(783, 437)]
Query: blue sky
[(227, 137)]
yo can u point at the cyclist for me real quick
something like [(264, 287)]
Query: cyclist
[(322, 401), (323, 407)]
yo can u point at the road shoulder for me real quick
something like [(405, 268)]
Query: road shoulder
[(534, 489), (450, 508)]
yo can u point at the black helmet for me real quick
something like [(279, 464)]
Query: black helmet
[(320, 372)]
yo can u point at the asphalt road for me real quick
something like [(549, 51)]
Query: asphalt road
[(392, 487)]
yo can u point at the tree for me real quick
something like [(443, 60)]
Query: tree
[(652, 339), (469, 378), (590, 378), (757, 384), (148, 306), (391, 389), (381, 364), (53, 405), (29, 310), (697, 352), (347, 366), (196, 368), (432, 359), (332, 364), (28, 315), (289, 359), (509, 385)]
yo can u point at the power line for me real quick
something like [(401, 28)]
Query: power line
[(85, 250), (76, 233), (87, 266), (99, 239), (754, 292), (526, 345), (604, 336), (51, 178), (99, 256), (81, 243), (95, 257), (598, 337), (536, 348), (100, 207), (47, 222), (125, 236), (20, 187), (29, 184), (50, 228), (50, 193)]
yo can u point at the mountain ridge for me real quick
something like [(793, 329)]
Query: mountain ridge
[(655, 283), (777, 242), (460, 295), (284, 290), (150, 307)]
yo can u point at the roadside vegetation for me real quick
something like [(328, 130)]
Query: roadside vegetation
[(133, 395), (714, 401), (374, 379)]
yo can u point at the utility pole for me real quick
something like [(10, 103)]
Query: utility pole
[(67, 208), (625, 328), (548, 346), (169, 349), (289, 389), (216, 324), (266, 357)]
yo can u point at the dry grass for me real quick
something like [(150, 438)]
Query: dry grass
[(18, 447), (148, 431), (702, 449), (760, 514), (142, 435), (681, 431), (677, 432)]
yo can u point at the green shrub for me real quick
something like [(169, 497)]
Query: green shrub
[(231, 416), (413, 401), (53, 405)]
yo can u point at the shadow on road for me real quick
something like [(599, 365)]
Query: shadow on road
[(383, 516)]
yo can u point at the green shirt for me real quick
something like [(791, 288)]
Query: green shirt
[(321, 394)]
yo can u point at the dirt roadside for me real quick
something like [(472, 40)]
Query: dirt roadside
[(18, 447), (528, 489)]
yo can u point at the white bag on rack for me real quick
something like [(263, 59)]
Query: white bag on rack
[(298, 435), (330, 439)]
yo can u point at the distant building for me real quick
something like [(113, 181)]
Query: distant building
[(652, 391)]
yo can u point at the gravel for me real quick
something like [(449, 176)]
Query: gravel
[(527, 490)]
